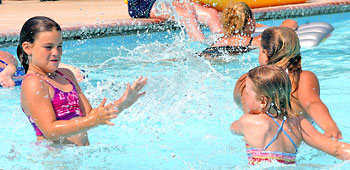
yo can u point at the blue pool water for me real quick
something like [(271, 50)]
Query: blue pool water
[(183, 120)]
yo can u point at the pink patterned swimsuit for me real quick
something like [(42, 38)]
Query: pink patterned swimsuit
[(65, 104), (257, 155)]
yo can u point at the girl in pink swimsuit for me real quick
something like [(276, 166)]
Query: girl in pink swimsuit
[(51, 96), (271, 130)]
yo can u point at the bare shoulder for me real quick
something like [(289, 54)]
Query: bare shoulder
[(33, 85), (308, 81), (32, 81), (308, 75), (252, 121)]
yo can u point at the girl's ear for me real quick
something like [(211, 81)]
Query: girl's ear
[(265, 51), (266, 58), (27, 48), (264, 102)]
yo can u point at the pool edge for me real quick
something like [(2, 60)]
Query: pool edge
[(131, 26)]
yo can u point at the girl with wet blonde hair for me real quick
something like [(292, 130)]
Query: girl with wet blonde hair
[(238, 25), (271, 83), (280, 47), (267, 96), (235, 17)]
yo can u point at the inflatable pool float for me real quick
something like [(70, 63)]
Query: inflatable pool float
[(221, 4), (310, 34)]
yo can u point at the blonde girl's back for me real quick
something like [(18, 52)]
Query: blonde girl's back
[(261, 129), (269, 126), (273, 87)]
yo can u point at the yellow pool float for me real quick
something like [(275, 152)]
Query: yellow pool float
[(221, 4)]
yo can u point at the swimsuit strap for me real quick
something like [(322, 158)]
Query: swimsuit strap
[(3, 62), (49, 82), (40, 78), (64, 76), (280, 128), (250, 42)]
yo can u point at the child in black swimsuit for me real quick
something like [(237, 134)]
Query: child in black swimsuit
[(238, 25)]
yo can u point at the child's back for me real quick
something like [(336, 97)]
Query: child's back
[(270, 128), (259, 135)]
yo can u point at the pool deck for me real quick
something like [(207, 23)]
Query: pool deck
[(89, 18)]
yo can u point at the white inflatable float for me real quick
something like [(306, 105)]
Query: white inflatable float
[(310, 34)]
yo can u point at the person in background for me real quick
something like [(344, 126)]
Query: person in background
[(271, 129), (280, 47), (189, 14), (65, 114), (8, 68), (238, 25)]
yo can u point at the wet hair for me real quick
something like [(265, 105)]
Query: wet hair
[(273, 83), (234, 18), (29, 32), (283, 50)]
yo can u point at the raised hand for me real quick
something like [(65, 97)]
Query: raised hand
[(103, 114), (131, 94), (333, 133)]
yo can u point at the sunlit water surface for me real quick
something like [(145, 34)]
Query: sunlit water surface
[(183, 120)]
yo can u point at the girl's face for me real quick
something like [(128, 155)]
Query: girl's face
[(251, 103), (262, 56), (46, 51)]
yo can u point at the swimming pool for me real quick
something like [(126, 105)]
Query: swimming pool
[(183, 120)]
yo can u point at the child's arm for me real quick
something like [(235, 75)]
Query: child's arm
[(35, 92), (260, 25), (319, 141), (8, 58), (6, 75), (309, 97), (236, 128), (188, 18), (290, 24)]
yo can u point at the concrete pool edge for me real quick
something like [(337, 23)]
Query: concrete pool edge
[(131, 26)]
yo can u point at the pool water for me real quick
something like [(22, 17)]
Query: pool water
[(183, 120)]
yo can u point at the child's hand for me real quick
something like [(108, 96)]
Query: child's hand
[(103, 114), (333, 133), (131, 94)]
